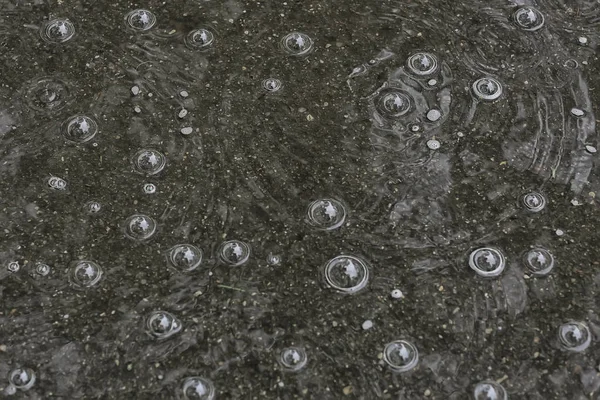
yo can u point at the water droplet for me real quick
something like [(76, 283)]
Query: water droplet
[(347, 274), (22, 378), (140, 227), (293, 358), (42, 269), (85, 274), (577, 112), (162, 324), (58, 31), (272, 85), (79, 129), (397, 294), (93, 207), (534, 201), (401, 355), (234, 252), (200, 39), (393, 103), (489, 390), (539, 261), (57, 183), (13, 266), (422, 64), (141, 20), (326, 214), (487, 261), (197, 388), (185, 257), (433, 115), (574, 336), (149, 188), (273, 259), (433, 144), (528, 18), (487, 89), (47, 94), (149, 162), (297, 43)]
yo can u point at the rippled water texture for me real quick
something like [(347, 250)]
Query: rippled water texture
[(210, 199)]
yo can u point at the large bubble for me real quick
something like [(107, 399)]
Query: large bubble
[(79, 129), (297, 43), (538, 261), (48, 94), (401, 355), (198, 388), (185, 257), (200, 39), (234, 252), (162, 324), (393, 103), (574, 336), (347, 274), (141, 20), (22, 378), (528, 19), (487, 261), (534, 201), (489, 390), (422, 64), (488, 89), (326, 214), (58, 31), (149, 161), (140, 227), (293, 358), (85, 274)]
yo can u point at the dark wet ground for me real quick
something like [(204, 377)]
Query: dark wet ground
[(413, 185)]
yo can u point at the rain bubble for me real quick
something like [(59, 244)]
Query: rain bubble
[(162, 324), (422, 64), (47, 94), (141, 20), (433, 144), (577, 112), (393, 103), (528, 19), (42, 269), (574, 336), (534, 201), (57, 183), (297, 43), (397, 294), (487, 89), (401, 355), (272, 85), (326, 214), (185, 257), (85, 274), (80, 129), (13, 266), (58, 31), (539, 261), (487, 261), (489, 390), (293, 358), (234, 252), (149, 188), (273, 259), (433, 115), (200, 39), (22, 378), (149, 162), (140, 227), (197, 388), (93, 207), (347, 274)]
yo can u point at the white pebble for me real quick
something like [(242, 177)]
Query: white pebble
[(135, 90), (182, 113), (186, 131), (368, 324), (397, 294)]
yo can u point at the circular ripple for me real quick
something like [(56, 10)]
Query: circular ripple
[(141, 20), (574, 336), (58, 31), (539, 261), (234, 252), (347, 274), (200, 39), (422, 64), (85, 274), (489, 390), (326, 214), (22, 378), (185, 257), (293, 358), (57, 183), (198, 388), (393, 103), (401, 355), (162, 324), (487, 88), (79, 129), (272, 85), (297, 43), (140, 227), (487, 261), (528, 19), (149, 162), (534, 201), (47, 94)]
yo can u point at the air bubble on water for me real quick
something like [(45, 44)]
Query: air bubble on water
[(140, 20), (13, 266), (534, 201), (149, 188), (528, 18), (326, 214), (79, 129), (149, 162), (58, 31), (574, 336), (47, 94), (272, 85), (85, 274), (22, 378), (140, 227), (93, 207), (487, 261), (198, 388), (401, 356), (297, 43), (368, 324), (393, 103), (185, 257), (273, 259), (347, 274), (538, 261), (487, 88), (162, 324), (57, 183), (397, 294), (577, 112), (433, 144), (234, 252), (200, 39), (415, 127), (489, 390), (422, 64), (293, 358), (433, 115), (42, 269)]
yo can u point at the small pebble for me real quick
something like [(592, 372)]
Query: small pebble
[(433, 115), (368, 324), (590, 149), (135, 90), (433, 144), (397, 294), (186, 131), (182, 113), (582, 40), (577, 112), (184, 94)]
